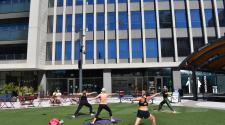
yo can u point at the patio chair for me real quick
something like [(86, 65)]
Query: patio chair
[(26, 100)]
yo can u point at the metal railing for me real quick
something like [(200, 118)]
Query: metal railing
[(13, 57)]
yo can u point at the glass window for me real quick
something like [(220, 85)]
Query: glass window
[(198, 43), (137, 48), (149, 0), (79, 22), (212, 39), (100, 21), (90, 21), (167, 47), (150, 20), (195, 18), (181, 19), (77, 50), (59, 3), (122, 1), (100, 49), (68, 50), (79, 2), (69, 23), (135, 20), (111, 21), (100, 1), (183, 46), (123, 20), (111, 1), (124, 49), (50, 3), (49, 51), (58, 51), (112, 49), (50, 24), (165, 19), (89, 49), (209, 18), (90, 2), (221, 15), (151, 48), (59, 24), (69, 2), (134, 1)]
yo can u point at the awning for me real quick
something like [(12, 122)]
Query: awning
[(210, 57)]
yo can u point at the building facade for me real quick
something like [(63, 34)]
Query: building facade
[(129, 45)]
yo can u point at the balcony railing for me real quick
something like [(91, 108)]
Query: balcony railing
[(11, 6), (9, 35), (13, 57)]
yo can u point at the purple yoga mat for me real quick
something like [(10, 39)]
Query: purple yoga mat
[(103, 121)]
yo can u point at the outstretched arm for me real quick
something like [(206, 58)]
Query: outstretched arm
[(150, 97), (91, 93), (78, 94)]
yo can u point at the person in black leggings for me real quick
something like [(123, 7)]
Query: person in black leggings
[(165, 100), (84, 102)]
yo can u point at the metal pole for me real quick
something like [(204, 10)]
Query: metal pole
[(80, 63)]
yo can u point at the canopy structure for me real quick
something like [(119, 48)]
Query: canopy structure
[(210, 57)]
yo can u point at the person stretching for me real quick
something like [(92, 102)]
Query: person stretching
[(143, 108), (165, 100), (103, 105), (83, 102)]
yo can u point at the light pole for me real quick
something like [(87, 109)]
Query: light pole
[(80, 62)]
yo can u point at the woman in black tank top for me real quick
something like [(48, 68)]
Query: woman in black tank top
[(143, 109), (83, 101)]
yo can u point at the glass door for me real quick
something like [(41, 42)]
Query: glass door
[(71, 86), (159, 84)]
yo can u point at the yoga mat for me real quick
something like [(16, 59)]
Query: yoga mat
[(103, 121)]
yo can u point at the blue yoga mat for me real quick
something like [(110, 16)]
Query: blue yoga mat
[(103, 121)]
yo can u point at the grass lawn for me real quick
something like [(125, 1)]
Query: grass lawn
[(126, 112)]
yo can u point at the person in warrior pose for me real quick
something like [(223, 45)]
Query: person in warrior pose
[(143, 108), (165, 100), (83, 102), (103, 105)]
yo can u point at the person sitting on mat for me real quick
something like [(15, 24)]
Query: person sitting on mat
[(103, 105), (165, 100), (143, 108), (83, 101)]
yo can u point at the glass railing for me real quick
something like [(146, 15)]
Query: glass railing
[(9, 35), (14, 7), (13, 57)]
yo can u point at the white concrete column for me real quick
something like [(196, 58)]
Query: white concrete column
[(129, 32), (143, 31), (174, 30), (73, 32), (107, 80), (216, 19), (54, 32), (203, 21), (117, 33), (95, 39), (63, 32), (189, 25), (106, 31), (176, 80), (84, 29), (158, 30)]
